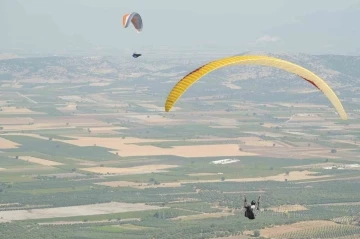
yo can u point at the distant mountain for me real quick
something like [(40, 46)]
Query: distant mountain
[(342, 73), (336, 32), (20, 30), (253, 82), (339, 70)]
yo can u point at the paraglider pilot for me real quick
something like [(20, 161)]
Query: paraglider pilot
[(249, 213), (135, 55)]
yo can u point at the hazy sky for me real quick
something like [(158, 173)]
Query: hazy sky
[(232, 26)]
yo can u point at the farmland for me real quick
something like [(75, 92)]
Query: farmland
[(87, 151)]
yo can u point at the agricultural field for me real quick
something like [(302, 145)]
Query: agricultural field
[(87, 151)]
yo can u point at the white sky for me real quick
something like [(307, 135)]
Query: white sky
[(310, 26)]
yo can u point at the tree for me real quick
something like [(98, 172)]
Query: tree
[(256, 233), (333, 151), (223, 179), (287, 173)]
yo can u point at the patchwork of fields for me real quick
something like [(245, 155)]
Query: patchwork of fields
[(95, 157)]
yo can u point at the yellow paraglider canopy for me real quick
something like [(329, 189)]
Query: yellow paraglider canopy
[(307, 75)]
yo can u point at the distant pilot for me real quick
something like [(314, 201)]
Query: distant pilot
[(249, 213), (135, 55)]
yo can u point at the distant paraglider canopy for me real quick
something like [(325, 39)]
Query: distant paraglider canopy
[(305, 74), (135, 19)]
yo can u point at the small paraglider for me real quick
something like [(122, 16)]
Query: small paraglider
[(249, 209), (136, 21), (136, 55)]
